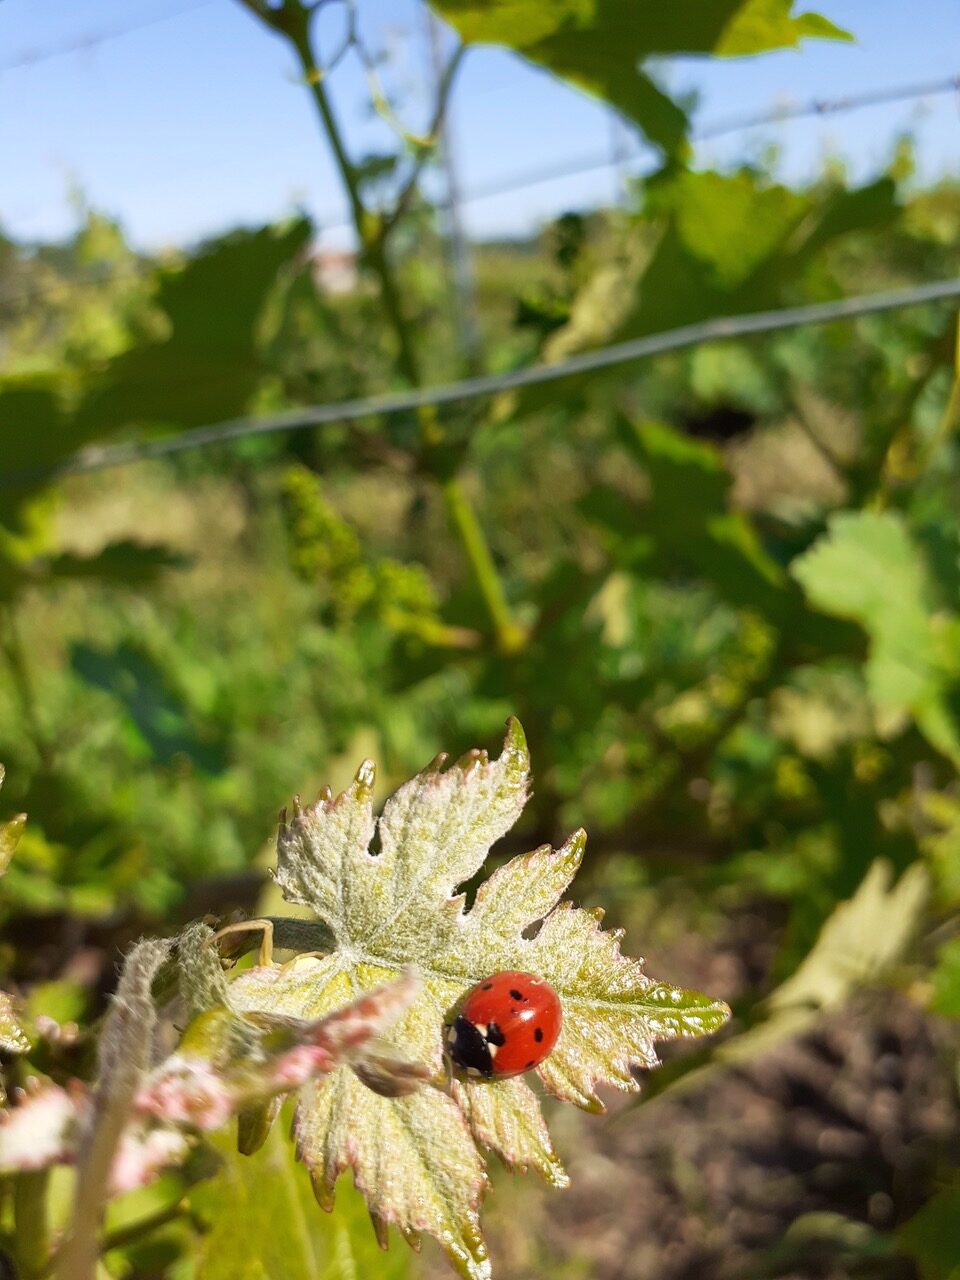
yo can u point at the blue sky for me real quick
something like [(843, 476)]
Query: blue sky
[(195, 122)]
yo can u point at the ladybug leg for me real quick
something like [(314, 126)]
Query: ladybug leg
[(265, 954), (302, 955)]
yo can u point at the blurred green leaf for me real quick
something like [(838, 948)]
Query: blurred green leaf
[(728, 244), (13, 1037), (690, 525), (946, 980), (36, 433), (821, 708), (600, 45), (857, 947), (932, 1236), (821, 1235), (125, 563), (769, 24), (860, 209), (867, 568), (208, 366), (162, 719), (61, 1001), (860, 942), (283, 1235), (729, 224)]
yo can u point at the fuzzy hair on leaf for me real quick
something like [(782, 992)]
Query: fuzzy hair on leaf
[(419, 1159)]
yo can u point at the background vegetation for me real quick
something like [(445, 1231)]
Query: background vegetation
[(721, 590)]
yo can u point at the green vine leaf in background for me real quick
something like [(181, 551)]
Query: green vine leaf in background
[(600, 44), (932, 1236), (866, 560), (283, 1237), (418, 1159), (860, 944)]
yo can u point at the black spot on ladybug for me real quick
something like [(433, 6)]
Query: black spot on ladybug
[(488, 986), (517, 995), (495, 1035), (538, 1034), (530, 1064)]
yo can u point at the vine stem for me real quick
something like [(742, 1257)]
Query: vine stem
[(292, 21), (143, 1227), (511, 637)]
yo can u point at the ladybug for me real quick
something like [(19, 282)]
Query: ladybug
[(507, 1024)]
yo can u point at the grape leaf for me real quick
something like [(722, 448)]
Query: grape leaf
[(208, 365), (228, 1062), (866, 560), (417, 1159), (599, 44), (860, 943), (283, 1237), (125, 562)]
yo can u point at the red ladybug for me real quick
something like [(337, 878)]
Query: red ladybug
[(507, 1024)]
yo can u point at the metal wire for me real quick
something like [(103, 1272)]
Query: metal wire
[(592, 163), (103, 457), (30, 58)]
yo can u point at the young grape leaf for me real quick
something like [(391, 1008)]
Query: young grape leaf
[(229, 1062), (417, 1159)]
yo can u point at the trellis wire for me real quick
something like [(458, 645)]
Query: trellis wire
[(102, 457)]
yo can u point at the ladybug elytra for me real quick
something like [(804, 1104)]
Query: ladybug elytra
[(507, 1024)]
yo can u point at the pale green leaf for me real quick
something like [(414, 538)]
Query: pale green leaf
[(411, 1157), (867, 568), (860, 941), (859, 944), (417, 1158), (505, 1116)]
